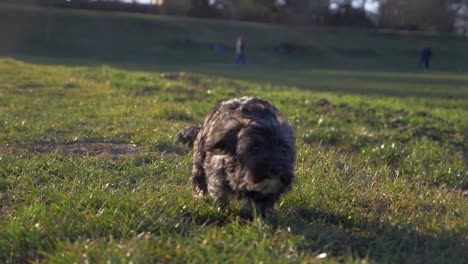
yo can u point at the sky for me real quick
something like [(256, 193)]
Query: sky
[(370, 6)]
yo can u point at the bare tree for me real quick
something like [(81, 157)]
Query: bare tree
[(460, 14), (230, 8), (313, 11), (416, 14), (176, 7)]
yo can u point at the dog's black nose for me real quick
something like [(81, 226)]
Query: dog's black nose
[(275, 171)]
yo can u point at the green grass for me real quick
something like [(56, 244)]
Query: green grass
[(89, 171), (379, 178), (333, 60)]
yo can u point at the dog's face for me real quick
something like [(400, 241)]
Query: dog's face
[(260, 152), (266, 156)]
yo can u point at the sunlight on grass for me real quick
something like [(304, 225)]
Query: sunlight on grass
[(89, 171)]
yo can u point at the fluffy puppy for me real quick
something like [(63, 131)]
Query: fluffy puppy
[(244, 150)]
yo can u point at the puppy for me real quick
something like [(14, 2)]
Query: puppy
[(244, 150)]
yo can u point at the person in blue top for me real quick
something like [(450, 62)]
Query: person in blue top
[(240, 50)]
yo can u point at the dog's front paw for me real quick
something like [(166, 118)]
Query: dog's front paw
[(246, 214)]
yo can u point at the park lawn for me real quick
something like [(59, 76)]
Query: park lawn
[(337, 60), (89, 171), (68, 35)]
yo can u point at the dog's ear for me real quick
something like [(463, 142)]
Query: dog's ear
[(224, 138)]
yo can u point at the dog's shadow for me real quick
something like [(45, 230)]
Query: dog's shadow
[(339, 235)]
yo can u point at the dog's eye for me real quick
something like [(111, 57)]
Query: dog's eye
[(255, 148), (285, 149)]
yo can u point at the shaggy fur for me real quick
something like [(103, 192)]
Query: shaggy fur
[(243, 150)]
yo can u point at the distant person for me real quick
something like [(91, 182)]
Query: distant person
[(240, 50), (425, 57)]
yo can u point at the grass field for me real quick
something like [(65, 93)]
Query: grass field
[(89, 171)]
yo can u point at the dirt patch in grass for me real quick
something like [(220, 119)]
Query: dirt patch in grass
[(147, 91), (187, 92), (31, 85), (76, 148)]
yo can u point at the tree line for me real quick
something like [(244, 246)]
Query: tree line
[(421, 15)]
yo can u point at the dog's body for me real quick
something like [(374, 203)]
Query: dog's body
[(243, 150)]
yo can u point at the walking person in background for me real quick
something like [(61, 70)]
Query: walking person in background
[(425, 57), (240, 50)]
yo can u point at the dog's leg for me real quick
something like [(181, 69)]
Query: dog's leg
[(198, 178), (264, 205), (219, 190), (199, 184), (248, 209)]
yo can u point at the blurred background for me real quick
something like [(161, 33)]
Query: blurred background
[(178, 34)]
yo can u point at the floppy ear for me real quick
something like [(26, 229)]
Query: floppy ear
[(224, 138)]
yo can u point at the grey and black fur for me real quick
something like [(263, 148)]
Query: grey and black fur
[(243, 150)]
